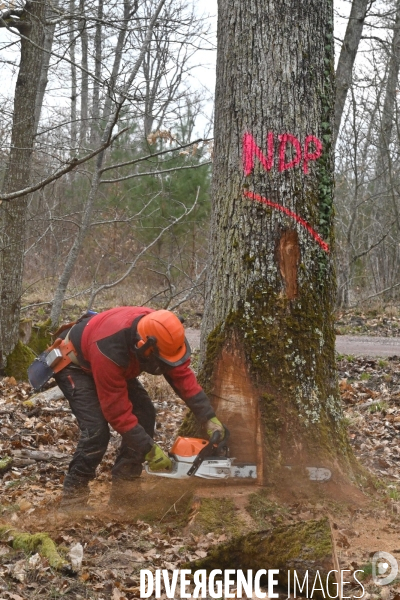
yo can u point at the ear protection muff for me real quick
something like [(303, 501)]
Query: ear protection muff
[(145, 348)]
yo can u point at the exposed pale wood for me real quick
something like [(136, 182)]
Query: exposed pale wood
[(235, 403)]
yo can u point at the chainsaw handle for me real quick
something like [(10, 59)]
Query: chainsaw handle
[(215, 438), (215, 443)]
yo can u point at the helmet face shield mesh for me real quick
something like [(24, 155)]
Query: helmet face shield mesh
[(181, 360), (153, 365)]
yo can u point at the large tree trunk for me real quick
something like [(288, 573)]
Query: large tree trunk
[(268, 357), (13, 214), (348, 52)]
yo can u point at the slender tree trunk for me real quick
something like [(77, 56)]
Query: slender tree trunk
[(117, 62), (388, 110), (268, 343), (43, 81), (95, 123), (85, 76), (72, 47), (344, 71), (13, 214)]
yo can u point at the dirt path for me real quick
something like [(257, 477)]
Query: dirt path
[(358, 345)]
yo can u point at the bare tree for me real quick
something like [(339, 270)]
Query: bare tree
[(348, 52), (30, 25)]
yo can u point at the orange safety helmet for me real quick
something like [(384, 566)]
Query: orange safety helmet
[(172, 347)]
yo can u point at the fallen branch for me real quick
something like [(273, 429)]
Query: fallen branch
[(36, 542), (40, 456)]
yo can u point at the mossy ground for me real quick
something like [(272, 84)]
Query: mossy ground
[(218, 515), (264, 511)]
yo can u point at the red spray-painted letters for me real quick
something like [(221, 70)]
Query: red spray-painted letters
[(252, 151)]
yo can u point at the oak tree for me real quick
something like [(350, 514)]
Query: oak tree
[(268, 342)]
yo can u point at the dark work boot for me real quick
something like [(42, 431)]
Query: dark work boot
[(75, 494)]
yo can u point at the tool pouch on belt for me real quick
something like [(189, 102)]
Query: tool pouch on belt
[(51, 361), (56, 357)]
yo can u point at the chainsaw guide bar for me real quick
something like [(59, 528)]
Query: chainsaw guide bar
[(212, 468)]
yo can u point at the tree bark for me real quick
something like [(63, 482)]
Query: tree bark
[(13, 214), (72, 47), (384, 183), (267, 351), (95, 121), (348, 52), (85, 76), (44, 72)]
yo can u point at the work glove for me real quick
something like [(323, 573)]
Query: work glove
[(215, 424), (158, 460), (138, 442)]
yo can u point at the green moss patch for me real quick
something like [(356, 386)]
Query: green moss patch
[(305, 546), (218, 515), (263, 511), (5, 464), (36, 542), (40, 337), (18, 362)]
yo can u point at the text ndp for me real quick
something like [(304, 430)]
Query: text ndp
[(302, 154), (309, 151)]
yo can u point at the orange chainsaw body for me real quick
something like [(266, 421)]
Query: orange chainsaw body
[(186, 447)]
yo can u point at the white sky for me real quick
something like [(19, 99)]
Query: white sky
[(202, 76)]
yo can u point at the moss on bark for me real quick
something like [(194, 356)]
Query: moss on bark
[(289, 349), (41, 337), (305, 546), (217, 515), (18, 362)]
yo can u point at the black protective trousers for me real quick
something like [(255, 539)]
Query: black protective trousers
[(80, 390)]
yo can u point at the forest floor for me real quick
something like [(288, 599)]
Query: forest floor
[(168, 524), (165, 527)]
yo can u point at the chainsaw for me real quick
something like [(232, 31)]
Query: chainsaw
[(209, 460)]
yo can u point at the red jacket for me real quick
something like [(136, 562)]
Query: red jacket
[(106, 344)]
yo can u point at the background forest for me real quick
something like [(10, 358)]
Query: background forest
[(129, 223)]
